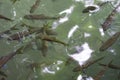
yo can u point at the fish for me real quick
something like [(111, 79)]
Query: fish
[(53, 39), (35, 6), (88, 9), (69, 60), (112, 66), (18, 36), (14, 1), (92, 8), (5, 59), (108, 21), (2, 78), (109, 42), (99, 75), (8, 31), (5, 18), (86, 65), (40, 17), (2, 73), (44, 48)]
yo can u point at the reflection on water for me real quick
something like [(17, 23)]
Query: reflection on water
[(67, 13), (83, 53), (79, 29)]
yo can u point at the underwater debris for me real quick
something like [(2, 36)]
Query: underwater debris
[(35, 6), (109, 42)]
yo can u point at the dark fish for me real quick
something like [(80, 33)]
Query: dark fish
[(5, 18), (2, 78), (109, 19), (36, 65), (88, 9), (69, 60), (44, 48), (99, 75), (103, 3), (35, 6), (18, 35), (53, 39), (86, 65), (14, 1), (110, 66), (40, 17), (3, 74), (109, 42), (5, 59), (8, 31), (92, 8)]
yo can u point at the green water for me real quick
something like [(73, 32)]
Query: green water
[(57, 54)]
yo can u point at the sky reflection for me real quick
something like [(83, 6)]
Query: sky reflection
[(82, 55)]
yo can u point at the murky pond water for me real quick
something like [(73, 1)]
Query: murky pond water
[(59, 40)]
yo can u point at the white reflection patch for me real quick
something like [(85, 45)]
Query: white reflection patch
[(51, 69), (84, 77), (46, 70), (65, 18), (14, 12), (87, 35), (90, 26), (72, 31), (101, 31), (83, 55)]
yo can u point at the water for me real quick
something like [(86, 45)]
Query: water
[(82, 31)]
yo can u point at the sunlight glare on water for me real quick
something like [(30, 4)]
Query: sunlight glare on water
[(74, 28), (80, 77), (83, 55), (51, 69), (65, 18)]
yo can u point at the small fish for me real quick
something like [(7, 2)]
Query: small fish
[(2, 78), (111, 66), (18, 35), (109, 19), (3, 74), (5, 59), (103, 3), (14, 1), (100, 74), (8, 31), (35, 6), (109, 42), (5, 18), (44, 48), (86, 65), (39, 17), (53, 39), (88, 9), (69, 60)]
